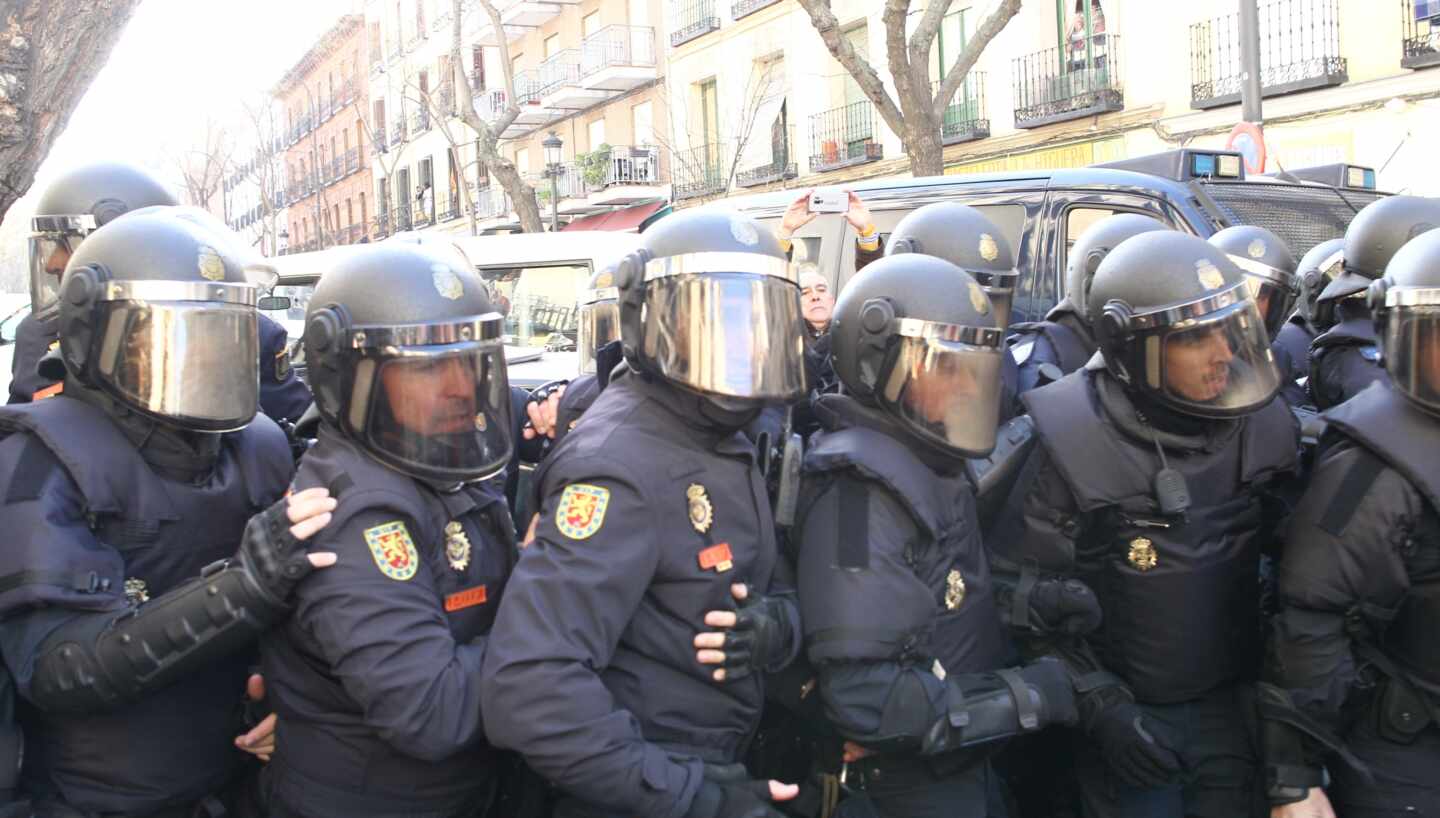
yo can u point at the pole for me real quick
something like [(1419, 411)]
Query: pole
[(1250, 62), (554, 199)]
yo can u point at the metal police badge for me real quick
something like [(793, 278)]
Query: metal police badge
[(1209, 275), (457, 545), (954, 590), (978, 299), (210, 265), (702, 514), (582, 510), (1256, 249), (393, 550), (136, 591), (743, 231), (446, 282), (282, 364), (1142, 554), (989, 250)]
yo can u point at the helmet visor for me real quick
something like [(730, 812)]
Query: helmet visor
[(1412, 353), (1272, 300), (437, 412), (946, 391), (599, 325), (729, 334), (1000, 287), (192, 363), (49, 253), (1218, 365)]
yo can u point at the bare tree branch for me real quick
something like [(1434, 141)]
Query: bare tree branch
[(923, 37), (840, 48), (987, 31)]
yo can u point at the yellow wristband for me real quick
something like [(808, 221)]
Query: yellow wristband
[(785, 245), (868, 231)]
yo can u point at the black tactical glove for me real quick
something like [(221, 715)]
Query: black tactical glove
[(1130, 746), (760, 637), (729, 792), (1064, 606), (273, 560)]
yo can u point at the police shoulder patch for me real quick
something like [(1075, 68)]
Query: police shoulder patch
[(393, 550), (581, 510)]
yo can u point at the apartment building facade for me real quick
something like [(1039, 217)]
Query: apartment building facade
[(327, 141), (758, 102)]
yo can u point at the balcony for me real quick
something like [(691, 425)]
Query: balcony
[(526, 13), (491, 202), (379, 139), (618, 58), (451, 213), (965, 118), (530, 100), (1421, 38), (1054, 86), (1299, 51), (419, 121), (632, 174), (380, 227), (781, 165), (397, 132), (748, 7), (559, 81), (693, 18), (351, 162), (403, 220), (842, 137), (702, 171)]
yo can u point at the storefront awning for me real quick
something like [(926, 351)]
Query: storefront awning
[(622, 220)]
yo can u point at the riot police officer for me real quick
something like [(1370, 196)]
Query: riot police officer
[(1315, 271), (1344, 360), (1045, 351), (598, 343), (1269, 269), (654, 516), (1151, 484), (1354, 643), (895, 593), (71, 208), (376, 676), (123, 626)]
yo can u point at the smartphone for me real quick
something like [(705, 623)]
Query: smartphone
[(829, 200)]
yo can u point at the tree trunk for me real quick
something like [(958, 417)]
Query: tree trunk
[(50, 52), (922, 144)]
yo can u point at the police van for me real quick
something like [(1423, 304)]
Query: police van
[(1042, 212)]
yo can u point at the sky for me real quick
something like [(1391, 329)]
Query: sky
[(176, 62)]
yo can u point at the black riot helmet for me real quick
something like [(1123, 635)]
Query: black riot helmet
[(1376, 233), (1316, 270), (1406, 306), (963, 236), (711, 304), (158, 314), (917, 336), (405, 359), (1176, 322), (1269, 269), (1092, 247), (599, 317), (75, 205)]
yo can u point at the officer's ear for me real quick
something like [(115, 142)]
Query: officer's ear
[(630, 286), (1115, 326), (877, 316), (81, 291), (325, 332)]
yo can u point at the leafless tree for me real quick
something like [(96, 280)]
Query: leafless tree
[(265, 172), (51, 50), (490, 133), (443, 117), (389, 160), (914, 113), (203, 167), (689, 162)]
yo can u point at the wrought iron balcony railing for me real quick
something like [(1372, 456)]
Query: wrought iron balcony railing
[(966, 119), (745, 7), (693, 18), (781, 166), (1299, 50), (632, 166), (420, 121), (1082, 80), (701, 171), (618, 46), (1421, 37), (844, 136), (562, 69), (397, 132)]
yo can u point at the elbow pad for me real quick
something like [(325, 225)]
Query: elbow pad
[(985, 707), (98, 662)]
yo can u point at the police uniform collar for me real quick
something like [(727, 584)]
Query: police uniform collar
[(685, 406), (174, 453)]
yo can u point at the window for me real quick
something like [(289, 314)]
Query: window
[(360, 141), (642, 124), (709, 112), (375, 50), (949, 42), (349, 212), (596, 131), (1084, 34), (477, 68), (420, 17), (552, 45), (590, 24)]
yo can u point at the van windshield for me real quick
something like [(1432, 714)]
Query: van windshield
[(541, 319)]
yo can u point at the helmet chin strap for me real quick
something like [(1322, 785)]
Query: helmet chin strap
[(727, 413)]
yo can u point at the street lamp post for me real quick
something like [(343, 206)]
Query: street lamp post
[(552, 146)]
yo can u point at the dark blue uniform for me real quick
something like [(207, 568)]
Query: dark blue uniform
[(33, 338), (1344, 360), (376, 676), (283, 396), (1292, 358), (895, 595), (93, 527), (591, 672), (1062, 341)]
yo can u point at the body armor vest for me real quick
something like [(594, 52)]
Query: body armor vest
[(1072, 350), (1180, 593), (1395, 431), (946, 554)]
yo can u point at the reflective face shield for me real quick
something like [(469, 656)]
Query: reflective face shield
[(52, 241), (944, 384), (433, 400), (1412, 344), (726, 325), (1000, 287), (1211, 358), (599, 324), (186, 353), (1273, 291)]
